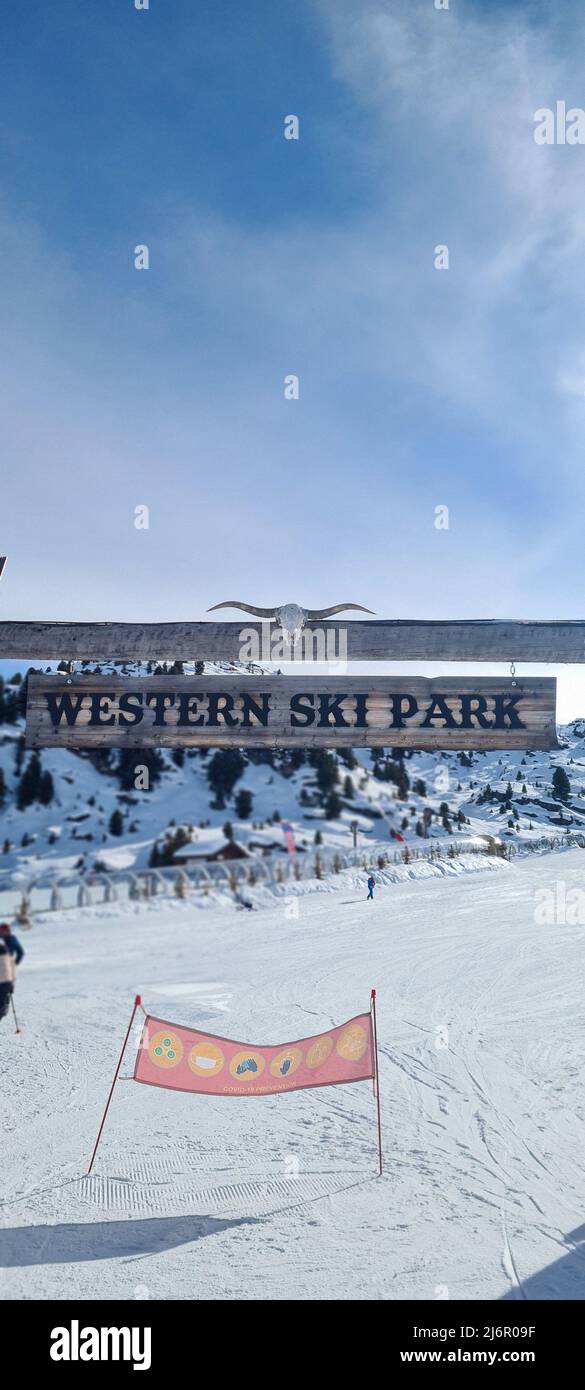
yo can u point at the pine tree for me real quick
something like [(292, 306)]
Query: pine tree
[(46, 789), (560, 784), (333, 806), (327, 770), (29, 786), (348, 788), (403, 784), (19, 755), (243, 804), (226, 766), (2, 787), (116, 823)]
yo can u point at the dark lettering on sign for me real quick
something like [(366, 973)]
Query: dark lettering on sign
[(159, 699), (236, 708), (100, 709), (188, 706), (301, 715), (503, 706), (59, 705), (130, 708), (439, 709), (328, 706), (474, 707), (361, 704), (251, 710), (401, 707)]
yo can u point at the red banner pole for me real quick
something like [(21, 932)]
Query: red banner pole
[(377, 1079), (137, 1005)]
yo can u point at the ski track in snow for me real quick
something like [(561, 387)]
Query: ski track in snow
[(191, 1197)]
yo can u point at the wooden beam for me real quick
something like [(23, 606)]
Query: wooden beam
[(395, 640), (239, 710)]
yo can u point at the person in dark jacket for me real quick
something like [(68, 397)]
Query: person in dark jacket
[(371, 886), (11, 954)]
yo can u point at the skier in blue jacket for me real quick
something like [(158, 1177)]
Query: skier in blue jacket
[(371, 886)]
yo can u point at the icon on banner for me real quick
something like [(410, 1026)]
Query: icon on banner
[(165, 1049), (352, 1043), (247, 1066), (319, 1052), (206, 1059), (286, 1063)]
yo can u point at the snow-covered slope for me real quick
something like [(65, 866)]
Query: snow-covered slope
[(483, 1107)]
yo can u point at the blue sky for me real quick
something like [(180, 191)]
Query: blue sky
[(418, 388)]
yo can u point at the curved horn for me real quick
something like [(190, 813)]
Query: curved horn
[(245, 607), (314, 614)]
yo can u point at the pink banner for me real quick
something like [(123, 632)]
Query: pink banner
[(183, 1059)]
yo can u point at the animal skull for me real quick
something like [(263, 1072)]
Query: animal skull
[(290, 617)]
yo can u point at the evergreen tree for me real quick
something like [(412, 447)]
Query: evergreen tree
[(19, 755), (327, 770), (348, 788), (46, 789), (228, 830), (165, 853), (333, 806), (226, 766), (116, 823), (2, 787), (243, 804), (560, 784), (29, 786), (403, 784)]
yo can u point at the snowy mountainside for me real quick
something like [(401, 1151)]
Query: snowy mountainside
[(82, 808)]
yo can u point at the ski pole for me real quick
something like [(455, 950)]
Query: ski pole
[(18, 1030)]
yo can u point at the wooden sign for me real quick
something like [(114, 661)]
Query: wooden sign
[(217, 711), (382, 640)]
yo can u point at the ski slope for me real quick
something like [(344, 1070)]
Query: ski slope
[(277, 1198)]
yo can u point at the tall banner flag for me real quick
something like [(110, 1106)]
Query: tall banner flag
[(289, 837), (182, 1059), (177, 1058)]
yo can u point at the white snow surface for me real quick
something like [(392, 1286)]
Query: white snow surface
[(197, 1198)]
